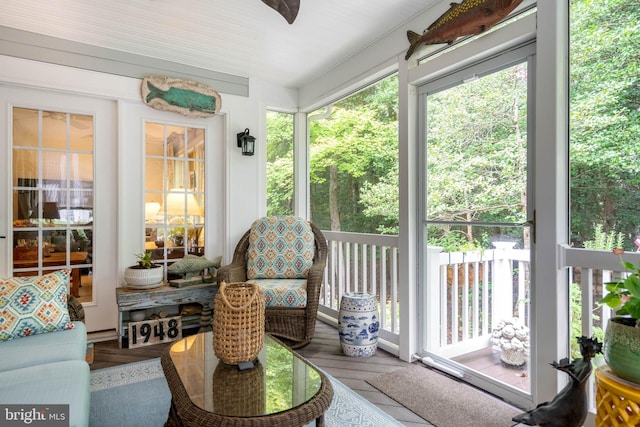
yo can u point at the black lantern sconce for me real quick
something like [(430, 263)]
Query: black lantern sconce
[(246, 142)]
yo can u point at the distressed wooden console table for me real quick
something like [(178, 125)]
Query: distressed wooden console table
[(140, 299)]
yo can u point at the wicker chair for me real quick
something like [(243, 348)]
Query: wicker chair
[(294, 326)]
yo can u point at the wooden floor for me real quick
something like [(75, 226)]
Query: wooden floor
[(324, 351)]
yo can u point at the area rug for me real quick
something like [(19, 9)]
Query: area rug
[(137, 395), (442, 401)]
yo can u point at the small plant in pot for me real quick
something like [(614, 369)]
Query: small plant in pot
[(146, 274), (622, 336)]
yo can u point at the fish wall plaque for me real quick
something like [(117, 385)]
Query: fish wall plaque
[(191, 99), (468, 18)]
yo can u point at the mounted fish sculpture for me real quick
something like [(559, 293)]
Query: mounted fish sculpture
[(191, 99), (468, 18), (287, 8)]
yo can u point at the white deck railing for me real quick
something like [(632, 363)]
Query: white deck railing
[(358, 262), (591, 269), (473, 288)]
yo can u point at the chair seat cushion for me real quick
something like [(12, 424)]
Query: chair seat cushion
[(70, 344), (279, 293), (54, 383)]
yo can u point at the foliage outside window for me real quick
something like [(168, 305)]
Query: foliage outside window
[(477, 161), (354, 161), (174, 191), (605, 119), (604, 126), (280, 181)]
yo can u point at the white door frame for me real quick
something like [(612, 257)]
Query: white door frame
[(99, 313)]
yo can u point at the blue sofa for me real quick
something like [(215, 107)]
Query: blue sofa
[(46, 369)]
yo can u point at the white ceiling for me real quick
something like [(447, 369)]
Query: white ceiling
[(239, 37)]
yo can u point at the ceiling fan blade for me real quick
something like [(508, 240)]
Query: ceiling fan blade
[(287, 8)]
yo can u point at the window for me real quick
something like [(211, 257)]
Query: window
[(174, 191), (354, 161), (53, 195), (279, 163), (604, 123)]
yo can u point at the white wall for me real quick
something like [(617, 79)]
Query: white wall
[(243, 176)]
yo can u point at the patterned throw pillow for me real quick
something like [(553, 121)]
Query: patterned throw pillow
[(34, 305), (280, 247)]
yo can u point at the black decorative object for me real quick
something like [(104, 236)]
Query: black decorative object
[(569, 407), (246, 142), (287, 8)]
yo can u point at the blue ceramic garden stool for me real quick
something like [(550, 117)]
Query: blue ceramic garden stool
[(358, 324)]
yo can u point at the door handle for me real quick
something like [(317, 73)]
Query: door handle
[(532, 223)]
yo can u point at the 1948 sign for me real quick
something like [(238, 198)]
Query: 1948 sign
[(148, 332)]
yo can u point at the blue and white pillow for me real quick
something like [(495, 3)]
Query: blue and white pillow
[(34, 305)]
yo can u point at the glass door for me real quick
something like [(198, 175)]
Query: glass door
[(477, 225), (52, 186), (61, 193)]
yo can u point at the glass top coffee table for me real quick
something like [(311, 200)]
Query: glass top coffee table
[(283, 389)]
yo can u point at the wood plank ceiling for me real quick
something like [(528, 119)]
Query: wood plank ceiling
[(240, 37)]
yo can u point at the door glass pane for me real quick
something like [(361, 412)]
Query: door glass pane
[(476, 208), (54, 130), (54, 165), (53, 196), (174, 191), (25, 165), (25, 125), (81, 131)]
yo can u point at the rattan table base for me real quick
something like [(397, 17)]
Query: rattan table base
[(184, 412)]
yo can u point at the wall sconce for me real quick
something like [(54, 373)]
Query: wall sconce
[(247, 142)]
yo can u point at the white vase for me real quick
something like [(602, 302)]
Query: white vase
[(358, 324), (144, 278)]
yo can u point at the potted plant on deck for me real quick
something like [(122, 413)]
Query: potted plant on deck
[(622, 336), (146, 274)]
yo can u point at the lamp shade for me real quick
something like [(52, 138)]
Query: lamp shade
[(151, 210), (50, 210), (178, 200)]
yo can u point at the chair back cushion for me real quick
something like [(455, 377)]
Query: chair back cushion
[(280, 247)]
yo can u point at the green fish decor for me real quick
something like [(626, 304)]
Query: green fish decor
[(191, 99)]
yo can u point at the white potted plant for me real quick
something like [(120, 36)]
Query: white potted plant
[(145, 274)]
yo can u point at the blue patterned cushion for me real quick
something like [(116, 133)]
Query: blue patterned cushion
[(278, 293), (280, 247), (34, 305)]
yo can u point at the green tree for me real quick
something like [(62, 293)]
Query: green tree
[(280, 180), (354, 148), (604, 117), (476, 154)]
